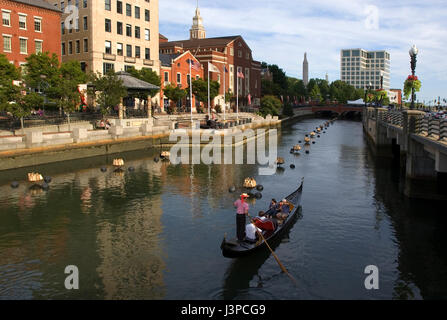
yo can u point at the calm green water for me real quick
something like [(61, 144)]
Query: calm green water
[(155, 233)]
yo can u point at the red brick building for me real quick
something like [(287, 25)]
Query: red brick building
[(231, 52), (174, 70), (27, 27), (226, 53)]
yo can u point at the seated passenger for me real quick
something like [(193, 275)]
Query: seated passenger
[(274, 207), (250, 232), (284, 210), (264, 223)]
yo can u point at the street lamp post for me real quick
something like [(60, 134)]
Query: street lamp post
[(413, 53)]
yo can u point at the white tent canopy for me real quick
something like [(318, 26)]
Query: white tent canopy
[(359, 101)]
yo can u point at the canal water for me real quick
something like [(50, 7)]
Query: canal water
[(155, 233)]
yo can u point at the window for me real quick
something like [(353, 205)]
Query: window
[(62, 5), (247, 56), (137, 12), (128, 10), (23, 45), (78, 46), (38, 24), (239, 53), (179, 78), (147, 54), (70, 26), (119, 49), (83, 66), (22, 21), (137, 52), (70, 47), (108, 7), (85, 23), (119, 27), (137, 32), (108, 47), (63, 48), (119, 7), (147, 15), (108, 25), (85, 45), (6, 18), (84, 3), (106, 67), (63, 27), (77, 24), (128, 30), (147, 34), (166, 76), (128, 50), (7, 43)]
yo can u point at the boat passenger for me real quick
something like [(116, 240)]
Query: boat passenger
[(274, 207), (250, 233), (241, 212), (284, 210)]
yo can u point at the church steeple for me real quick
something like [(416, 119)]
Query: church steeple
[(197, 30), (305, 70)]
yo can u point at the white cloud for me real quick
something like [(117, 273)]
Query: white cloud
[(281, 31)]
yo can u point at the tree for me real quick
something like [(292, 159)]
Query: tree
[(42, 73), (315, 93), (108, 90), (174, 93), (8, 73), (270, 105), (65, 93), (200, 90)]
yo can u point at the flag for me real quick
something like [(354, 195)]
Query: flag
[(212, 68), (249, 99), (240, 75), (194, 65)]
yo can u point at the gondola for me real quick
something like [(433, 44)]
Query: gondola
[(233, 248)]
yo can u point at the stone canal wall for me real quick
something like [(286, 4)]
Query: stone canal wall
[(40, 146)]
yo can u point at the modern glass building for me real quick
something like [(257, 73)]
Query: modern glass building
[(362, 68)]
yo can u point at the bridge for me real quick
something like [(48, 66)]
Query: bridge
[(418, 142), (338, 108)]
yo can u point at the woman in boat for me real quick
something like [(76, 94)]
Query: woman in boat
[(241, 212)]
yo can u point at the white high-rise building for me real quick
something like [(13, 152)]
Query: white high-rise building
[(361, 68)]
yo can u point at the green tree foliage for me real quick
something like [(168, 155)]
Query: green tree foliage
[(174, 93), (42, 72), (200, 90), (296, 88), (287, 110), (270, 105), (315, 93), (108, 90), (65, 93)]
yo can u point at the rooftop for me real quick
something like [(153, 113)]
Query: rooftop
[(40, 4)]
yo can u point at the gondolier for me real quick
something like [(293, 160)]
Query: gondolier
[(241, 212)]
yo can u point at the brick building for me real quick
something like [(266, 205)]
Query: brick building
[(231, 52), (174, 70), (29, 26)]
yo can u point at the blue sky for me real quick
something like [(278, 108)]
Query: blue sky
[(280, 31)]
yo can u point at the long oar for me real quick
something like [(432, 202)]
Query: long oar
[(274, 255)]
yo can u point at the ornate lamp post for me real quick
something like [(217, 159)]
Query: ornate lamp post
[(413, 53), (368, 87)]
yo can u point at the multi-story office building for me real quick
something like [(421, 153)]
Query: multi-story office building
[(27, 27), (110, 34), (362, 68)]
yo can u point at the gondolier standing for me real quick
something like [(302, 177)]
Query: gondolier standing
[(241, 211)]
